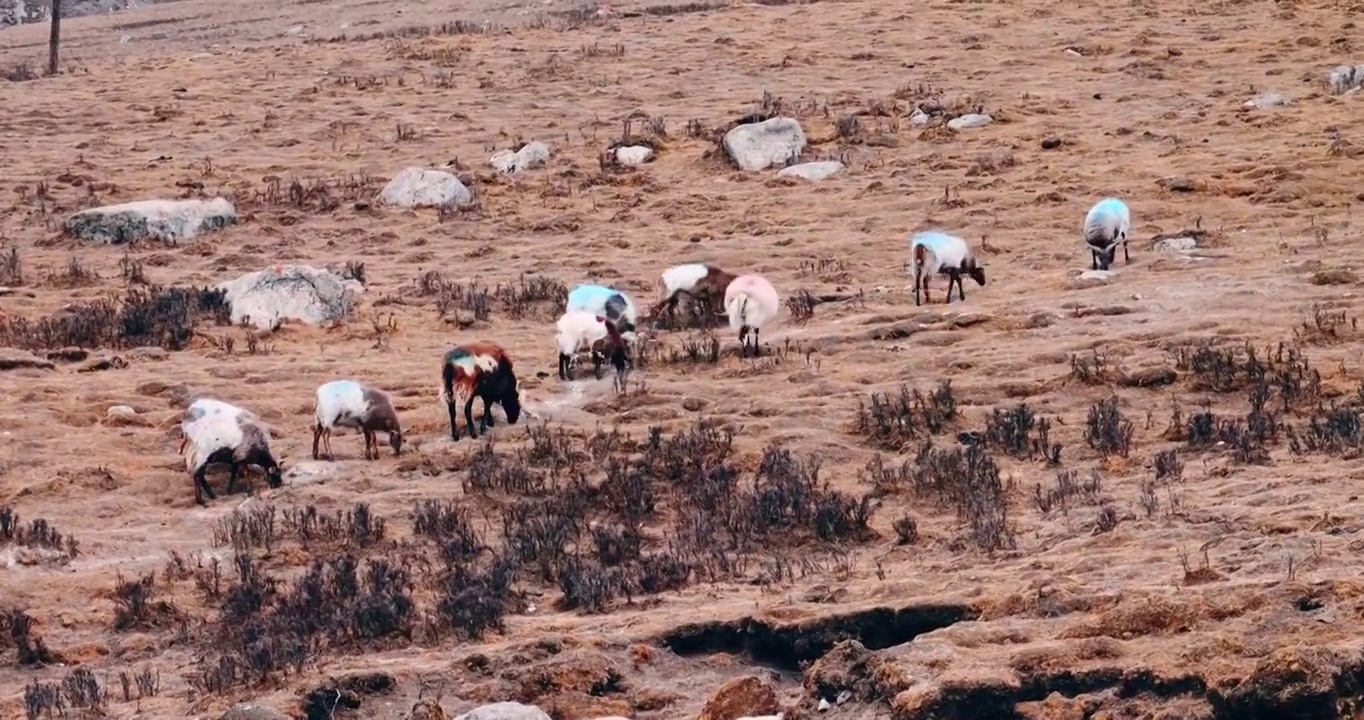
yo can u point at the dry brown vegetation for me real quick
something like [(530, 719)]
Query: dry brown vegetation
[(1060, 499)]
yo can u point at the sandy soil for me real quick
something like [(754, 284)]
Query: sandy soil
[(1235, 568)]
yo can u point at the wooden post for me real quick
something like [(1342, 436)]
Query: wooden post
[(54, 39)]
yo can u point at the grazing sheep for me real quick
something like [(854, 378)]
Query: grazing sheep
[(479, 370), (578, 328), (750, 303), (347, 403), (695, 280), (1106, 225), (220, 432), (935, 253), (600, 300)]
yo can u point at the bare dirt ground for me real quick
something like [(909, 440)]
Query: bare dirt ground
[(1198, 564)]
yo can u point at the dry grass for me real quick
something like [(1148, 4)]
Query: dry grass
[(1144, 485)]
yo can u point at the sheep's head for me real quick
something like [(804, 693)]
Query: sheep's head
[(274, 475), (1106, 255), (977, 273), (511, 404), (395, 441)]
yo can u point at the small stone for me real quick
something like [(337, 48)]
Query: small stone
[(532, 154), (505, 711), (634, 155), (1335, 276), (824, 705), (122, 413), (1267, 100), (253, 711), (919, 118), (969, 121), (1177, 184), (693, 404), (1051, 143), (1091, 279), (1175, 246), (419, 187), (811, 170)]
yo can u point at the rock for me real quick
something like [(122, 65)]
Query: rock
[(505, 711), (1051, 143), (919, 118), (693, 404), (969, 121), (634, 155), (1267, 100), (737, 698), (122, 414), (1334, 276), (104, 362), (165, 220), (1177, 184), (253, 711), (758, 146), (13, 359), (417, 187), (1091, 279), (426, 710), (1148, 377), (1175, 246), (1345, 78), (532, 154), (290, 292), (811, 170)]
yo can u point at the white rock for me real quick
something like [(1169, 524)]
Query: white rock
[(418, 187), (634, 155), (304, 472), (919, 118), (166, 220), (1175, 246), (290, 292), (812, 170), (971, 120), (824, 704), (120, 412), (1267, 100), (532, 154), (1345, 77), (505, 711), (758, 146)]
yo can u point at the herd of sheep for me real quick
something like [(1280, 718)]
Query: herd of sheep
[(601, 320)]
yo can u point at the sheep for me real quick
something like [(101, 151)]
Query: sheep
[(347, 403), (750, 303), (219, 432), (936, 253), (479, 369), (600, 300), (697, 281), (577, 328), (1106, 225)]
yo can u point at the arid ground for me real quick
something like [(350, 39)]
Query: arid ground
[(1192, 551)]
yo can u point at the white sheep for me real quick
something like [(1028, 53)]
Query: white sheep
[(750, 303), (347, 403), (601, 300), (695, 280), (577, 328), (1106, 225), (936, 253), (219, 432)]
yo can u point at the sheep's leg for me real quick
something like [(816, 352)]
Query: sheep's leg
[(757, 348), (317, 436), (469, 416), (327, 443), (1127, 259), (596, 364), (454, 423), (233, 470), (927, 299), (1093, 259), (954, 277), (563, 365), (201, 487), (184, 440), (488, 419)]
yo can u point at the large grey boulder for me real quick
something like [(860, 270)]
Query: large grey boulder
[(1345, 78), (167, 220), (505, 711), (760, 145), (811, 170), (290, 292), (419, 187), (532, 154)]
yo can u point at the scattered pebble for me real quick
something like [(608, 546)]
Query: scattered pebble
[(1051, 143)]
